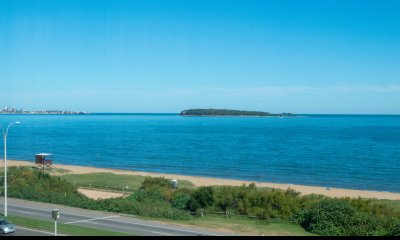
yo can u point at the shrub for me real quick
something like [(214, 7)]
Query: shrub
[(338, 217), (395, 231), (158, 182), (153, 204), (181, 201), (202, 197), (328, 217)]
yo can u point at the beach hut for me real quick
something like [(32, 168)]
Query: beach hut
[(43, 160), (174, 183)]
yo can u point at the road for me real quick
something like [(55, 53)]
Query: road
[(101, 220), (27, 232)]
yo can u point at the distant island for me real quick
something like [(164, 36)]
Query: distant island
[(227, 112), (13, 110)]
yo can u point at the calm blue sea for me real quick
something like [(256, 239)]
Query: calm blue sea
[(346, 151)]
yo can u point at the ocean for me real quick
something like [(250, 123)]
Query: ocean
[(343, 151)]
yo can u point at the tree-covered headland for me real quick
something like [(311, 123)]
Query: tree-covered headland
[(227, 112)]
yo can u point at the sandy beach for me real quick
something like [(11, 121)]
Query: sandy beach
[(206, 181)]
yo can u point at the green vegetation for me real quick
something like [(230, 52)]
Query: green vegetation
[(383, 207), (247, 226), (110, 181), (338, 217), (226, 112), (58, 171), (31, 184), (247, 207), (64, 229), (105, 181)]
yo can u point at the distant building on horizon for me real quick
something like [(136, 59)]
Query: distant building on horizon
[(13, 110), (7, 109)]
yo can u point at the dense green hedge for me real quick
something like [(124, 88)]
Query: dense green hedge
[(157, 198)]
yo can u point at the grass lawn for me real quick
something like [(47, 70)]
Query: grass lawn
[(61, 228), (243, 226), (251, 226), (111, 181)]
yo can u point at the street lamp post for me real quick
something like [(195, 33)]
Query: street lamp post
[(5, 133)]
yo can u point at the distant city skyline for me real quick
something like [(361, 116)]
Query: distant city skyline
[(14, 110), (165, 56)]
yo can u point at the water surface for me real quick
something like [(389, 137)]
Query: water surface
[(345, 151)]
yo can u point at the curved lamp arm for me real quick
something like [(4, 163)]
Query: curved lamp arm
[(5, 133)]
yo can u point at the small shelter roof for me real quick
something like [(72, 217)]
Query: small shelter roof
[(44, 154)]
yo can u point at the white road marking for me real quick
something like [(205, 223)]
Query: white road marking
[(94, 223), (30, 213), (133, 223), (90, 220), (167, 234), (47, 210), (34, 230)]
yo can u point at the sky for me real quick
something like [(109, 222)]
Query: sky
[(164, 56)]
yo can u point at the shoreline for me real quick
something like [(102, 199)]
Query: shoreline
[(209, 181)]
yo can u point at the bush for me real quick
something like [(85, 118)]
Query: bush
[(158, 182), (395, 231), (181, 201), (328, 217), (153, 204), (201, 198), (338, 217)]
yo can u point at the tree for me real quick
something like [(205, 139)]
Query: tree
[(202, 197)]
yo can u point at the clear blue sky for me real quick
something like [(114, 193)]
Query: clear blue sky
[(327, 56)]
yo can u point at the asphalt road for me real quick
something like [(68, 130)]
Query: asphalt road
[(100, 220), (27, 232)]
